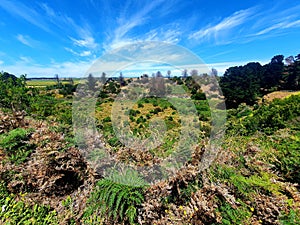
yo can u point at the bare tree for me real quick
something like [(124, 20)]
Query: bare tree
[(169, 73), (214, 72), (71, 81), (103, 78), (159, 74), (185, 73), (157, 85), (121, 79), (194, 72), (57, 78), (91, 82)]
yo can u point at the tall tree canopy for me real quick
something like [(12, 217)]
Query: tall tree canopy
[(242, 84), (245, 84)]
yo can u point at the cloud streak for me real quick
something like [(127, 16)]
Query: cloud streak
[(243, 26), (227, 24), (63, 69), (82, 54), (26, 40), (124, 32), (86, 42), (18, 9)]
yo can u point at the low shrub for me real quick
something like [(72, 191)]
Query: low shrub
[(16, 145)]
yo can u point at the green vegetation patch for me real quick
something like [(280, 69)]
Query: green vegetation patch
[(19, 212), (116, 197), (16, 144)]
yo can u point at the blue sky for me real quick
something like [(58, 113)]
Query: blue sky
[(43, 38)]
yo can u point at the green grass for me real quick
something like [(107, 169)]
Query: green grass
[(45, 82)]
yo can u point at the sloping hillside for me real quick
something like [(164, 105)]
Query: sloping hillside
[(253, 180)]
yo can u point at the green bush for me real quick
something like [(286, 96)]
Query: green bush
[(13, 92), (16, 144), (106, 119), (231, 216), (114, 142), (133, 112), (199, 96), (287, 157), (279, 114), (141, 119), (67, 89), (291, 218)]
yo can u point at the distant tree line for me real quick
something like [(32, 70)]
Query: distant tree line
[(245, 84)]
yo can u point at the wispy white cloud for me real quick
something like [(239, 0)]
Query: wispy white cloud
[(127, 24), (87, 42), (26, 59), (219, 54), (85, 37), (167, 33), (227, 24), (63, 69), (124, 33), (170, 33), (18, 9), (49, 11), (83, 53), (1, 62), (250, 25), (279, 26), (24, 39)]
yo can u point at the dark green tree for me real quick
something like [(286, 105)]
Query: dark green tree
[(242, 84), (272, 77), (291, 75)]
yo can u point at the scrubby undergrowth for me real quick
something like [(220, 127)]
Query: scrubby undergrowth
[(44, 179)]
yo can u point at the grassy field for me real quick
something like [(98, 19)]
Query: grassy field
[(48, 82)]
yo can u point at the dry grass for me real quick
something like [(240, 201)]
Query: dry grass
[(280, 95)]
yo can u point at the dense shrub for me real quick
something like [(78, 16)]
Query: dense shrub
[(287, 157), (267, 118), (16, 145)]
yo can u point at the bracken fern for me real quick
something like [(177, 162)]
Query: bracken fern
[(117, 197)]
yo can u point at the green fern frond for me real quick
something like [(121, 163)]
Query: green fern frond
[(121, 211), (131, 214), (118, 196)]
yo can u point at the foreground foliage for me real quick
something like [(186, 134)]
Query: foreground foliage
[(44, 178), (116, 198), (19, 212)]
